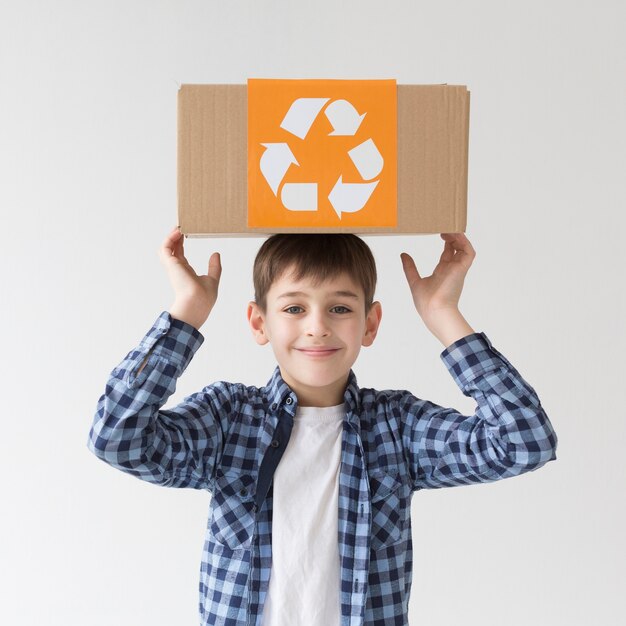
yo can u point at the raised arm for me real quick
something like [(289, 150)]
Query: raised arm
[(509, 433), (175, 447)]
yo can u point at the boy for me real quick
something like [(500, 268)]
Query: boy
[(324, 537)]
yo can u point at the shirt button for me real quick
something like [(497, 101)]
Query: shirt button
[(274, 406), (243, 492), (275, 443), (288, 401)]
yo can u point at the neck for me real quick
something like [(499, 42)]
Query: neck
[(330, 395)]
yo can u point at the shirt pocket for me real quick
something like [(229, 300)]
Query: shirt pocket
[(388, 509), (233, 510)]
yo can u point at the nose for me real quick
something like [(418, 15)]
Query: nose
[(317, 325)]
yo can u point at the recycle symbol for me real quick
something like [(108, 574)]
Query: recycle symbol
[(278, 157)]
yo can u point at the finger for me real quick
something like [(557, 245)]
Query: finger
[(215, 266), (461, 245), (465, 252), (171, 239), (410, 269), (167, 247), (468, 246), (448, 252), (179, 247)]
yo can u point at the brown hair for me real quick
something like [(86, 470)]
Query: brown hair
[(316, 256)]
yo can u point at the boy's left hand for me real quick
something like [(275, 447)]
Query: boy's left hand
[(442, 290)]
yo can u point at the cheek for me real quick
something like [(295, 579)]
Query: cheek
[(357, 329), (281, 334)]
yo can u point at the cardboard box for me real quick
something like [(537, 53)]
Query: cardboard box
[(213, 168)]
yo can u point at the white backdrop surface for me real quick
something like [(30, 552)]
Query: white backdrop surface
[(88, 192)]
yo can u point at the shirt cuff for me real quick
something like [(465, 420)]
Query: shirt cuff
[(172, 339), (472, 356)]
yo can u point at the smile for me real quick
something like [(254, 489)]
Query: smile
[(319, 353)]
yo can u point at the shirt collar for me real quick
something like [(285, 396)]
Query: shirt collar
[(281, 396)]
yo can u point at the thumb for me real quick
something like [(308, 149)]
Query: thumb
[(410, 270), (215, 266)]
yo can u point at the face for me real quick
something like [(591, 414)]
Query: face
[(316, 333)]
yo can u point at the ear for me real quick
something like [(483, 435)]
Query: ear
[(257, 323), (372, 322)]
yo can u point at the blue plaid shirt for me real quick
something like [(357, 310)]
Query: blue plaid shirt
[(393, 445)]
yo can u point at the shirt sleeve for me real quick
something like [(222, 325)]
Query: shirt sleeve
[(509, 433), (172, 448)]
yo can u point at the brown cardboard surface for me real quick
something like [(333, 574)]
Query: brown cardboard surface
[(433, 138)]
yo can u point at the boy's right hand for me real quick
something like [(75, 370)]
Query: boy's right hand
[(195, 295)]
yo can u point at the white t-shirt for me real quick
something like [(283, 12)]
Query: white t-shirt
[(304, 587)]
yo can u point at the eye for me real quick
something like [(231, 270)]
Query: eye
[(344, 311), (290, 309)]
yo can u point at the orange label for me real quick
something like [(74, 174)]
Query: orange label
[(322, 153)]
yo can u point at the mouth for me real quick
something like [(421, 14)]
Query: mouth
[(317, 352)]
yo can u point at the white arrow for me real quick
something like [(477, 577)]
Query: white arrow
[(345, 119), (367, 159), (299, 196), (275, 162), (301, 115), (350, 197)]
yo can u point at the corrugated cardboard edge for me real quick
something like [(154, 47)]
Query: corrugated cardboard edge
[(221, 121), (223, 124), (447, 109)]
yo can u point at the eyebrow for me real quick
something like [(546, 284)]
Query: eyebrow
[(294, 294)]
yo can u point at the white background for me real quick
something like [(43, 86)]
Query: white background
[(88, 192)]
